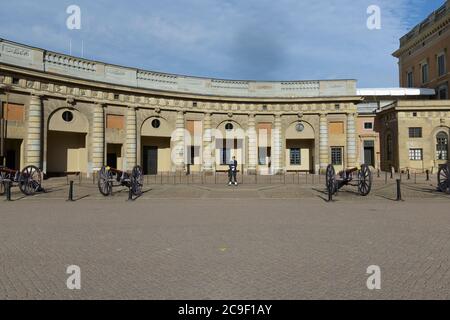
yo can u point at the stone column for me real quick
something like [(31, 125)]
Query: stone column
[(34, 132), (277, 145), (131, 139), (323, 142), (98, 138), (208, 159), (252, 144), (351, 141), (179, 142)]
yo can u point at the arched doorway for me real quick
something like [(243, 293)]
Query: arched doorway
[(66, 142), (299, 153), (229, 143), (155, 145)]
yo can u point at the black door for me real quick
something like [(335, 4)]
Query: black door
[(150, 160), (369, 156), (111, 160), (11, 159)]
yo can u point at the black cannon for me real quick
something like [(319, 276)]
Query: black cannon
[(28, 180), (109, 177), (363, 179), (444, 178)]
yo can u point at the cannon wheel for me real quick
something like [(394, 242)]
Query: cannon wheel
[(137, 181), (444, 178), (330, 179), (104, 181), (364, 180), (30, 180)]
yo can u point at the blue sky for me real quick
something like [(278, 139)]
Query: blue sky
[(231, 39)]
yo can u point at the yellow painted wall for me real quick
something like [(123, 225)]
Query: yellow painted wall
[(66, 151), (164, 152)]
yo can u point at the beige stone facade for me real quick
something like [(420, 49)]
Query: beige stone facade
[(414, 135), (79, 115)]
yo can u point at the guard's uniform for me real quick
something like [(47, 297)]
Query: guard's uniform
[(232, 172)]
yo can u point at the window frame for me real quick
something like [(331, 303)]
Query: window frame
[(410, 79), (441, 147), (298, 157), (425, 75), (415, 154), (340, 151), (371, 125), (413, 134), (444, 67)]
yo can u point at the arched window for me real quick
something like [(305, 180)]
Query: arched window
[(442, 146), (389, 147)]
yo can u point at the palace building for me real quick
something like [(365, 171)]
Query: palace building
[(414, 134), (66, 114)]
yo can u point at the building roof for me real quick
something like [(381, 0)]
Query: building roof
[(395, 92), (23, 56), (437, 20)]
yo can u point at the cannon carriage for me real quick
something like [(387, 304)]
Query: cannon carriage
[(361, 178), (110, 177), (444, 178), (28, 180)]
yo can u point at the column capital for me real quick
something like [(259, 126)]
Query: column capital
[(323, 115), (99, 104), (36, 95)]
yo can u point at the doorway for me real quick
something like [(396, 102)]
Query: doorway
[(150, 158), (369, 153), (114, 156)]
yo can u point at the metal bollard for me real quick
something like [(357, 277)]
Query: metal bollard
[(392, 173), (385, 177), (428, 175), (415, 177), (8, 190), (330, 194), (409, 176), (399, 191), (378, 173), (130, 194), (70, 191)]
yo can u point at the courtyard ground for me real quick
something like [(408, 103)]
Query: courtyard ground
[(210, 241)]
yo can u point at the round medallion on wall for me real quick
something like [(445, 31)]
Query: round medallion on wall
[(300, 127), (229, 126), (67, 116), (156, 123)]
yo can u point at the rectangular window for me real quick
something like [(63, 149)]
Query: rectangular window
[(415, 154), (295, 156), (263, 155), (425, 73), (368, 125), (415, 132), (225, 156), (409, 79), (441, 65), (442, 92), (336, 155)]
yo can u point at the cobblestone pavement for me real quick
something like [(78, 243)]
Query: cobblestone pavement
[(217, 242)]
